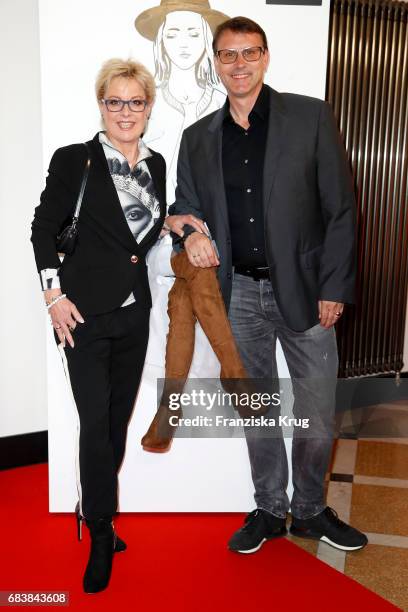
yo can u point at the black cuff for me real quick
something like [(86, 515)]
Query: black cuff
[(179, 240)]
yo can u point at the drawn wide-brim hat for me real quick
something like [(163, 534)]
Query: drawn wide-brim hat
[(149, 22)]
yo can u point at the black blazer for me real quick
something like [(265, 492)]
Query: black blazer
[(308, 201), (101, 273)]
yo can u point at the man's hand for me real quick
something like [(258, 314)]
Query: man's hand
[(329, 312), (200, 251), (175, 223)]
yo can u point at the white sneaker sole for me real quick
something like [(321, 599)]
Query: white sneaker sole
[(339, 546), (251, 550)]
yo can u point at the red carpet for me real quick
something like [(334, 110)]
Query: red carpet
[(174, 562)]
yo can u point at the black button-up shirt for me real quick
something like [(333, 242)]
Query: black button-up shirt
[(243, 155)]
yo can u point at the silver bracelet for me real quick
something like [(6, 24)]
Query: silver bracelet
[(55, 300)]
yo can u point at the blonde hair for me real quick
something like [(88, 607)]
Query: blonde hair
[(129, 69)]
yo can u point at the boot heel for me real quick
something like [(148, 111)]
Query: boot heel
[(79, 521), (79, 526)]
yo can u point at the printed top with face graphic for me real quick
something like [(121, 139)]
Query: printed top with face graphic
[(135, 189), (188, 87)]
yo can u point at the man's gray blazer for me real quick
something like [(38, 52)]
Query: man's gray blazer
[(309, 207)]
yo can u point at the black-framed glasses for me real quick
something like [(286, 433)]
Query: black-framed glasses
[(250, 54), (115, 105)]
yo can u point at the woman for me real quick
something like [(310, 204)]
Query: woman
[(188, 88), (99, 298)]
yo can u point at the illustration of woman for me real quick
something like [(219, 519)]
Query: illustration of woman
[(188, 88)]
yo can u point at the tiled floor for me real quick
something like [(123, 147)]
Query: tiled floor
[(368, 487)]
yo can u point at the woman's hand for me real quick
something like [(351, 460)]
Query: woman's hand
[(64, 316), (164, 232), (175, 223)]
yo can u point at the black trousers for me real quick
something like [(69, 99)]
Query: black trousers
[(104, 369)]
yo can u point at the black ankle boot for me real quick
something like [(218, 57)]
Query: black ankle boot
[(99, 568)]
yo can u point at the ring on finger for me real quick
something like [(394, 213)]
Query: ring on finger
[(57, 326)]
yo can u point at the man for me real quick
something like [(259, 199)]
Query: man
[(269, 175)]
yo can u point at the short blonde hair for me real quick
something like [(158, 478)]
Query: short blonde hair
[(129, 69)]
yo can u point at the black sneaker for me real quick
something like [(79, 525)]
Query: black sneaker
[(327, 527), (259, 527)]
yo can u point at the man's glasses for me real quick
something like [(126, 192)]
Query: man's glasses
[(250, 54), (115, 105)]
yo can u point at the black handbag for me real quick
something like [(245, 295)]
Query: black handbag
[(67, 239)]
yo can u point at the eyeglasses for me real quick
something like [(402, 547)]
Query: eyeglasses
[(115, 105), (250, 54)]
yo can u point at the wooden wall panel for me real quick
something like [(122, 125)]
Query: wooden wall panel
[(367, 86)]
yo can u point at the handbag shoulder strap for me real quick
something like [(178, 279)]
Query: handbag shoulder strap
[(83, 184)]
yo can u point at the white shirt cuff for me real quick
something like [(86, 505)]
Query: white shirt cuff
[(50, 279)]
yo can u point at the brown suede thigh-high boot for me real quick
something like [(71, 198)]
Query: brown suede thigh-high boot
[(179, 354), (209, 308)]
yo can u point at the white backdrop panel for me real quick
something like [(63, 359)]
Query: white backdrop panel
[(22, 347), (76, 37)]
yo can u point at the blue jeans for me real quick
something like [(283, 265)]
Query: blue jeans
[(313, 362)]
